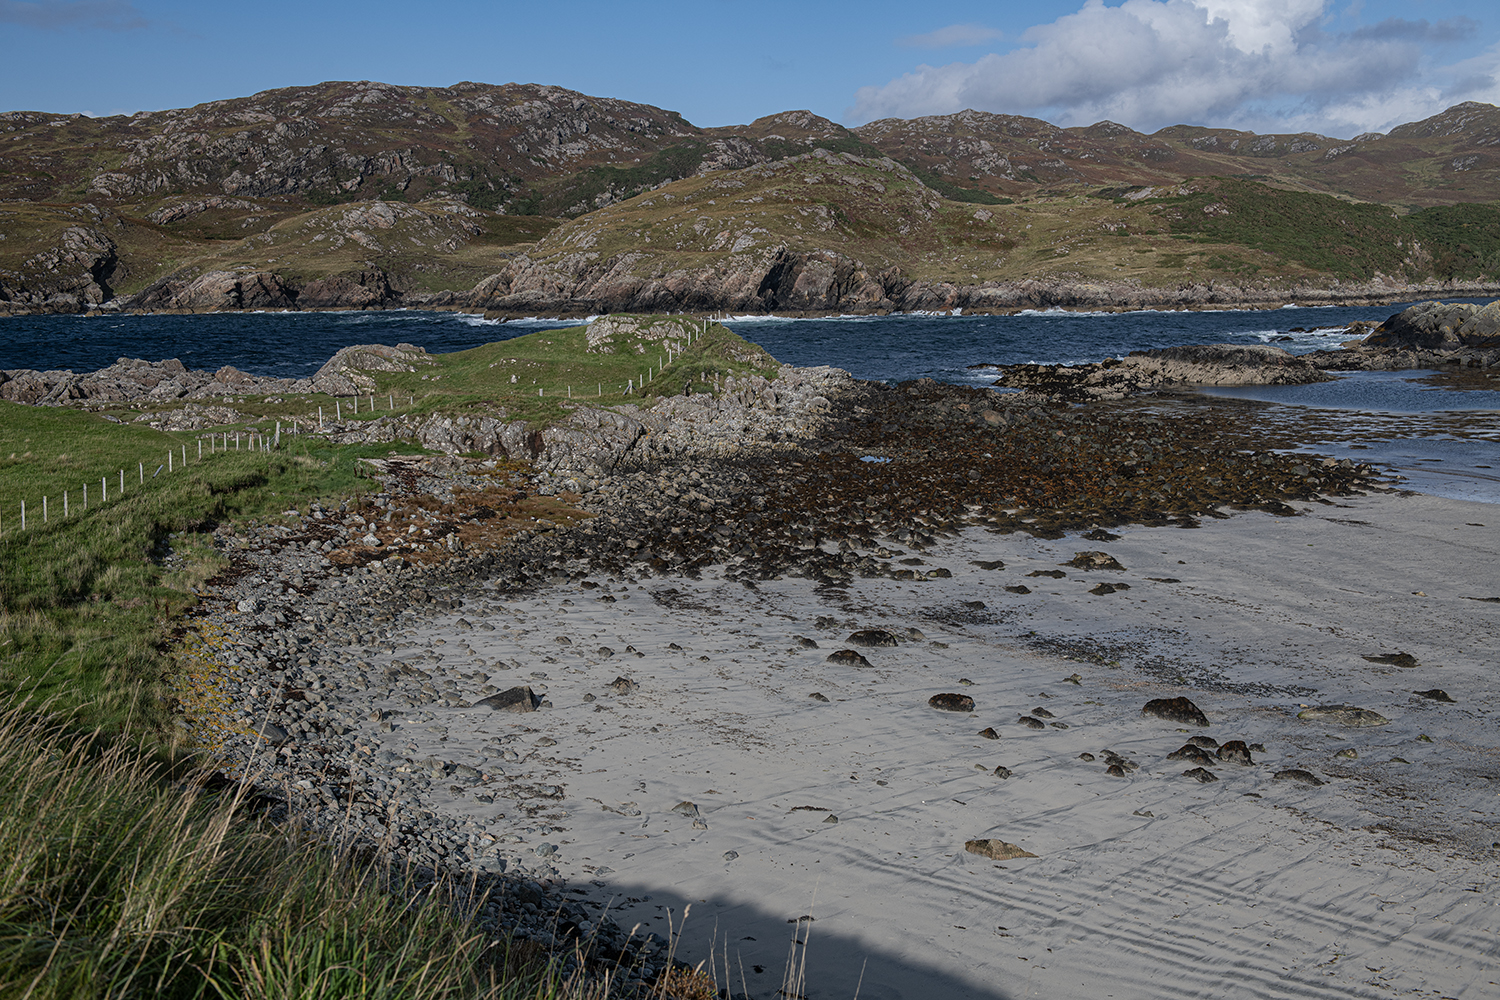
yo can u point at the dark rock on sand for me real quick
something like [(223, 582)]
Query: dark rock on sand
[(1192, 754), (1176, 710), (1100, 535), (1019, 588), (848, 658), (989, 733), (818, 696), (806, 643), (872, 637), (1206, 742), (1003, 772), (1101, 589), (996, 850), (1055, 574), (1093, 560), (1298, 775), (1344, 715), (1086, 756), (1436, 694), (1031, 723), (1042, 713), (516, 699), (1394, 659), (622, 685), (990, 564), (1236, 752), (1117, 771), (1201, 774), (952, 702)]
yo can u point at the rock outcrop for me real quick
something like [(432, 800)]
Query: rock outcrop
[(1440, 326), (1427, 335), (136, 381), (750, 414), (218, 291), (1142, 371)]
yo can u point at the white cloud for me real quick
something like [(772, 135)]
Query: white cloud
[(113, 15), (1261, 64), (953, 36)]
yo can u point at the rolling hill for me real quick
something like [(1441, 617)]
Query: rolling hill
[(523, 197)]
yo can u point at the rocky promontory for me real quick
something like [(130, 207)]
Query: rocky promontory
[(1440, 335)]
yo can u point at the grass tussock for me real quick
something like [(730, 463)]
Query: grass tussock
[(117, 882)]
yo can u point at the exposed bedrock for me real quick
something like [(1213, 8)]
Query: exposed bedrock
[(1141, 371), (1427, 335), (132, 379), (753, 414)]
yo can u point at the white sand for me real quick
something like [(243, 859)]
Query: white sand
[(1382, 882)]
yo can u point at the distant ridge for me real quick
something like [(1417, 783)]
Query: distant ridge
[(469, 176)]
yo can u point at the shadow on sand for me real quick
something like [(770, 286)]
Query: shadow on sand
[(777, 956)]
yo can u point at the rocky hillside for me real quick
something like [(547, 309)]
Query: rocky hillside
[(523, 196)]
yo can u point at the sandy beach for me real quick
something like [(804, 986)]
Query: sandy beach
[(732, 662), (855, 810)]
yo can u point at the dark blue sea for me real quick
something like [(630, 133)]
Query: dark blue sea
[(889, 348)]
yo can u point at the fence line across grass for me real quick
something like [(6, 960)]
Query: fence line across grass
[(176, 459)]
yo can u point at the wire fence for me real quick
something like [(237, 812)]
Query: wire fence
[(25, 514)]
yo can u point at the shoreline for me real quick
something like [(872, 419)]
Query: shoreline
[(677, 722), (641, 791)]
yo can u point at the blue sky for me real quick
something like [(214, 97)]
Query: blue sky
[(1335, 66)]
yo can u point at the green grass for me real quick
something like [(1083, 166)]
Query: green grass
[(576, 194), (555, 372), (1464, 239), (118, 883), (87, 600), (1337, 237)]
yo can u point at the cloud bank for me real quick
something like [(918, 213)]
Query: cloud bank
[(1267, 65), (111, 15)]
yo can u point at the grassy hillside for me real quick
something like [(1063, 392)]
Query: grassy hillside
[(885, 216)]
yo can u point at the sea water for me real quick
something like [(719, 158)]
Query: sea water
[(948, 347)]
